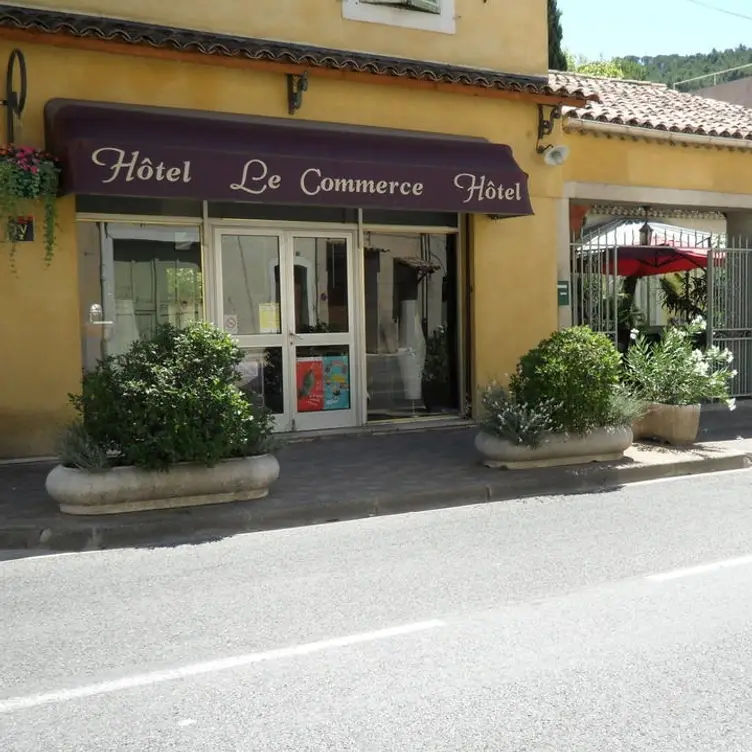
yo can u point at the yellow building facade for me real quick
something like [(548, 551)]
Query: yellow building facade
[(354, 190)]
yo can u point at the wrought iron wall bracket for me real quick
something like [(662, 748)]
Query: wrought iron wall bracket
[(546, 125), (15, 100), (297, 85)]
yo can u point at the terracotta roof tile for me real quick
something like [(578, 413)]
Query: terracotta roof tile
[(47, 22), (656, 106)]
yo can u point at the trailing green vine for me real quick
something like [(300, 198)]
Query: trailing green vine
[(28, 174)]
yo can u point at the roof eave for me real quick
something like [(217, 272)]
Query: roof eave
[(576, 124), (44, 26)]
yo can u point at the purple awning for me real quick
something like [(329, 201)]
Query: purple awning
[(127, 150)]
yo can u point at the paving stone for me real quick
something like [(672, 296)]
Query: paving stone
[(346, 477)]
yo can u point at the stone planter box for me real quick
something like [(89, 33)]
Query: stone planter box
[(130, 489), (599, 445), (673, 424)]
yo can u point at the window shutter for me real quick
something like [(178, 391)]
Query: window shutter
[(425, 6), (428, 6)]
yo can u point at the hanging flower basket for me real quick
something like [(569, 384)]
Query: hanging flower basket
[(28, 174)]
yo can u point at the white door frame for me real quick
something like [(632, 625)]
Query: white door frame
[(288, 340)]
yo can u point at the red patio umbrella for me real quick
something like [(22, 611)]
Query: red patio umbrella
[(652, 260)]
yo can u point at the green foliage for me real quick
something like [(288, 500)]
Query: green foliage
[(436, 367), (76, 448), (670, 69), (516, 422), (605, 68), (173, 399), (673, 371), (576, 371), (625, 407), (557, 60), (28, 174), (685, 295)]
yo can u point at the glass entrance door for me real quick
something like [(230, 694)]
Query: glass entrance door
[(287, 299)]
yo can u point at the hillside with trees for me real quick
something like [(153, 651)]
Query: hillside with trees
[(666, 69), (669, 69)]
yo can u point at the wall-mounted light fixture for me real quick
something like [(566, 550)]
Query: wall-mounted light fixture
[(553, 155), (646, 231), (297, 84)]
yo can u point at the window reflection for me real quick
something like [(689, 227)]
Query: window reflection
[(156, 279), (250, 284), (321, 285), (410, 318), (261, 377)]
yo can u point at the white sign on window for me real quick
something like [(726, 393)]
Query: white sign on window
[(231, 324)]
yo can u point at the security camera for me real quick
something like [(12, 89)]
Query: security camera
[(555, 156)]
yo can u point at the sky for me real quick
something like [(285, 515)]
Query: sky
[(607, 28)]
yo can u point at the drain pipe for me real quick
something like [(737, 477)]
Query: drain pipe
[(577, 125)]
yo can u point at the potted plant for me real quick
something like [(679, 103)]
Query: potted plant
[(673, 377), (565, 406), (28, 174), (436, 380), (164, 425)]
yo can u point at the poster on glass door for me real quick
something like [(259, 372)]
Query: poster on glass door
[(336, 383), (323, 383), (310, 383)]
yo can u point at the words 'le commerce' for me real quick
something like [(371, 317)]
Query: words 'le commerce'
[(256, 179)]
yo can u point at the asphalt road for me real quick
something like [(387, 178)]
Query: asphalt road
[(600, 622)]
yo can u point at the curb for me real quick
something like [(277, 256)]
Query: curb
[(201, 525)]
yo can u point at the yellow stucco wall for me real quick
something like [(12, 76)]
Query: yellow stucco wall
[(40, 352), (600, 159), (506, 35), (514, 260)]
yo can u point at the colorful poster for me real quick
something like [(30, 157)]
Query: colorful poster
[(336, 383), (310, 382)]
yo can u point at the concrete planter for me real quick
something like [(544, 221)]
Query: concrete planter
[(131, 489), (673, 424), (599, 445)]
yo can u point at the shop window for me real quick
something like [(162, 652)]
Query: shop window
[(426, 15), (412, 364), (134, 277)]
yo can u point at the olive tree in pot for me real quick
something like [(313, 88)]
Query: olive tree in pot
[(164, 425), (565, 406), (673, 377)]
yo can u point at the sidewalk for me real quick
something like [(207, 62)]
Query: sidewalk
[(342, 478)]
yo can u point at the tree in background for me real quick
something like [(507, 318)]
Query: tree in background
[(557, 60), (615, 68), (669, 69)]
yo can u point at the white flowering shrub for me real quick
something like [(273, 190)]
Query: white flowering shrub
[(673, 371), (513, 421)]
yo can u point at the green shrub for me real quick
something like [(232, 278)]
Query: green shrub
[(173, 399), (674, 371), (625, 407), (576, 371)]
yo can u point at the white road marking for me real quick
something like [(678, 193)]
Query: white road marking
[(700, 569), (186, 722), (208, 667)]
